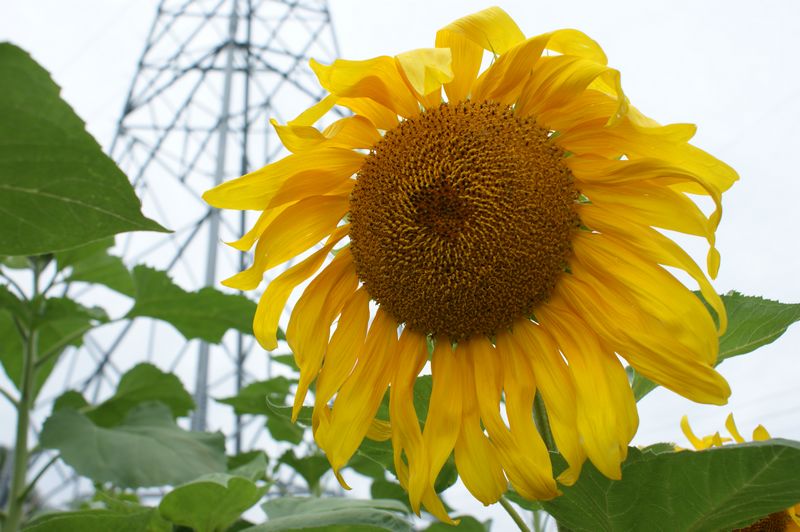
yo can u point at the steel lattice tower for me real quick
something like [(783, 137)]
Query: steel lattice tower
[(212, 74)]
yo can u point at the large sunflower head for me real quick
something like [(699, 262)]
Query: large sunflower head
[(510, 218)]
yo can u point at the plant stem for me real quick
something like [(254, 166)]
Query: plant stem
[(542, 423), (10, 397), (39, 475), (16, 499), (514, 515)]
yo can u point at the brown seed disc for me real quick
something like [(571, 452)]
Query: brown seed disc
[(461, 219), (776, 522)]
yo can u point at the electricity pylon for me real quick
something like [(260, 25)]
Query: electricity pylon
[(212, 74)]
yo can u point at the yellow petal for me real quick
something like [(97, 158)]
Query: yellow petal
[(730, 424), (522, 452), (794, 514), (640, 337), (476, 458), (257, 189), (264, 219), (590, 110), (379, 430), (654, 246), (352, 131), (273, 300), (311, 115), (377, 79), (426, 69), (760, 434), (606, 410), (406, 434), (491, 29), (655, 291), (349, 132), (503, 80), (444, 413), (635, 139), (558, 392), (359, 398), (298, 138), (558, 81), (345, 344), (656, 204), (381, 116), (577, 43), (293, 231), (696, 442), (308, 330)]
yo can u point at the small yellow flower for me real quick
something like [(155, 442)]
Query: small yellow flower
[(512, 222), (788, 520)]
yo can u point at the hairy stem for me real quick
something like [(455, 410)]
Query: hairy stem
[(514, 515), (16, 499)]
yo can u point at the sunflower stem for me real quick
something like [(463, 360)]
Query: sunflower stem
[(542, 423), (514, 515), (17, 494)]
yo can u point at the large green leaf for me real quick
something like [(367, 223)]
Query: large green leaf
[(385, 489), (298, 513), (206, 314), (210, 503), (146, 449), (93, 264), (467, 523), (252, 399), (144, 382), (62, 323), (101, 520), (752, 323), (311, 467), (250, 464), (58, 189), (717, 489), (256, 397)]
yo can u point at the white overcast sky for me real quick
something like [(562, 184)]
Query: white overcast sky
[(729, 66)]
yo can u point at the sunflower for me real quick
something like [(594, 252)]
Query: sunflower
[(787, 520), (503, 232)]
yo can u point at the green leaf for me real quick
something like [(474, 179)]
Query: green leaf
[(367, 467), (10, 303), (286, 360), (515, 497), (467, 524), (93, 264), (384, 489), (298, 513), (144, 382), (58, 189), (70, 399), (252, 465), (210, 503), (143, 520), (63, 322), (311, 467), (206, 314), (255, 398), (252, 399), (717, 489), (146, 449), (752, 322), (283, 429), (15, 263)]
